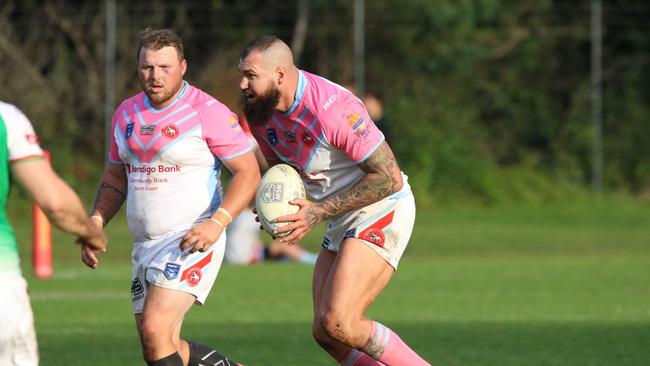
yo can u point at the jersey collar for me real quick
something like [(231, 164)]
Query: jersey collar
[(300, 90)]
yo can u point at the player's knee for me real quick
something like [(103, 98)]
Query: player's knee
[(150, 335), (336, 325), (319, 334)]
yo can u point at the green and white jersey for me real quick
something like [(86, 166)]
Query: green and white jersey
[(18, 143)]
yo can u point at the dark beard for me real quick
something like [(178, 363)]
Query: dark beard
[(259, 110)]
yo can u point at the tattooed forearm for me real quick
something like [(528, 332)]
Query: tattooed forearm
[(383, 178), (108, 201)]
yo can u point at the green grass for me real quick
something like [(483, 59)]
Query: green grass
[(544, 285)]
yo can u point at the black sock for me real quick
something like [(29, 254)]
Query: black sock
[(201, 354), (172, 360)]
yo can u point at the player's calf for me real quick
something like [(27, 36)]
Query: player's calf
[(172, 360), (201, 355)]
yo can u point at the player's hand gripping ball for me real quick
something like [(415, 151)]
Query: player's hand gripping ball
[(279, 185)]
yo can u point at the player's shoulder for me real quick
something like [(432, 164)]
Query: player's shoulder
[(12, 115), (325, 96), (205, 103), (130, 101)]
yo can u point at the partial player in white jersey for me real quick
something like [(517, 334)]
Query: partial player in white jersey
[(168, 143), (324, 131), (21, 157)]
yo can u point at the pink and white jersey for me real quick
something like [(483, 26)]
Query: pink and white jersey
[(172, 158), (324, 134)]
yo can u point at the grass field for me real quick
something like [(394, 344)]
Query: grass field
[(547, 285)]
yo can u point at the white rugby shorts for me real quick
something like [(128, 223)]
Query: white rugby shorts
[(385, 226), (160, 262), (17, 337)]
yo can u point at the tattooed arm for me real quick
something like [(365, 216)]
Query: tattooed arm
[(111, 193), (383, 178)]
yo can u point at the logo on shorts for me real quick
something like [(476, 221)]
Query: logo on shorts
[(137, 290), (194, 277), (193, 274), (171, 270), (170, 131), (350, 233), (373, 235)]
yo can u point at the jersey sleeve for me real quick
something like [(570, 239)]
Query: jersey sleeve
[(222, 132), (113, 153), (22, 141), (349, 128)]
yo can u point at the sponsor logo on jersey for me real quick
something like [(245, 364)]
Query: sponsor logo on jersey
[(170, 131), (272, 192), (329, 102), (129, 130), (147, 129), (31, 138), (150, 169), (307, 139), (171, 270), (289, 136), (137, 290), (356, 122), (273, 137), (233, 122)]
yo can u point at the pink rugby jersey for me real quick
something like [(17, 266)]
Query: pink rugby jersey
[(324, 134), (172, 157)]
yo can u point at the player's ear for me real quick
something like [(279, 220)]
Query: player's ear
[(280, 73), (183, 67)]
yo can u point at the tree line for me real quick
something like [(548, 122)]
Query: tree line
[(484, 99)]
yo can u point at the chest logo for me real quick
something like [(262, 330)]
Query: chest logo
[(289, 136), (129, 130), (170, 131), (307, 139), (147, 129), (273, 137)]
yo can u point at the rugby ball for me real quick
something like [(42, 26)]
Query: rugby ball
[(279, 185)]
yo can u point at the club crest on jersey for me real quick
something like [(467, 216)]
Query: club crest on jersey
[(129, 130), (170, 131), (307, 139), (289, 136), (171, 270), (147, 129), (273, 137)]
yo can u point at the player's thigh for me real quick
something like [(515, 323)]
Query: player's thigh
[(164, 309), (17, 337), (357, 276), (321, 273)]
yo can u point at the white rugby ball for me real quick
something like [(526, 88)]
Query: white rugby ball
[(280, 184)]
